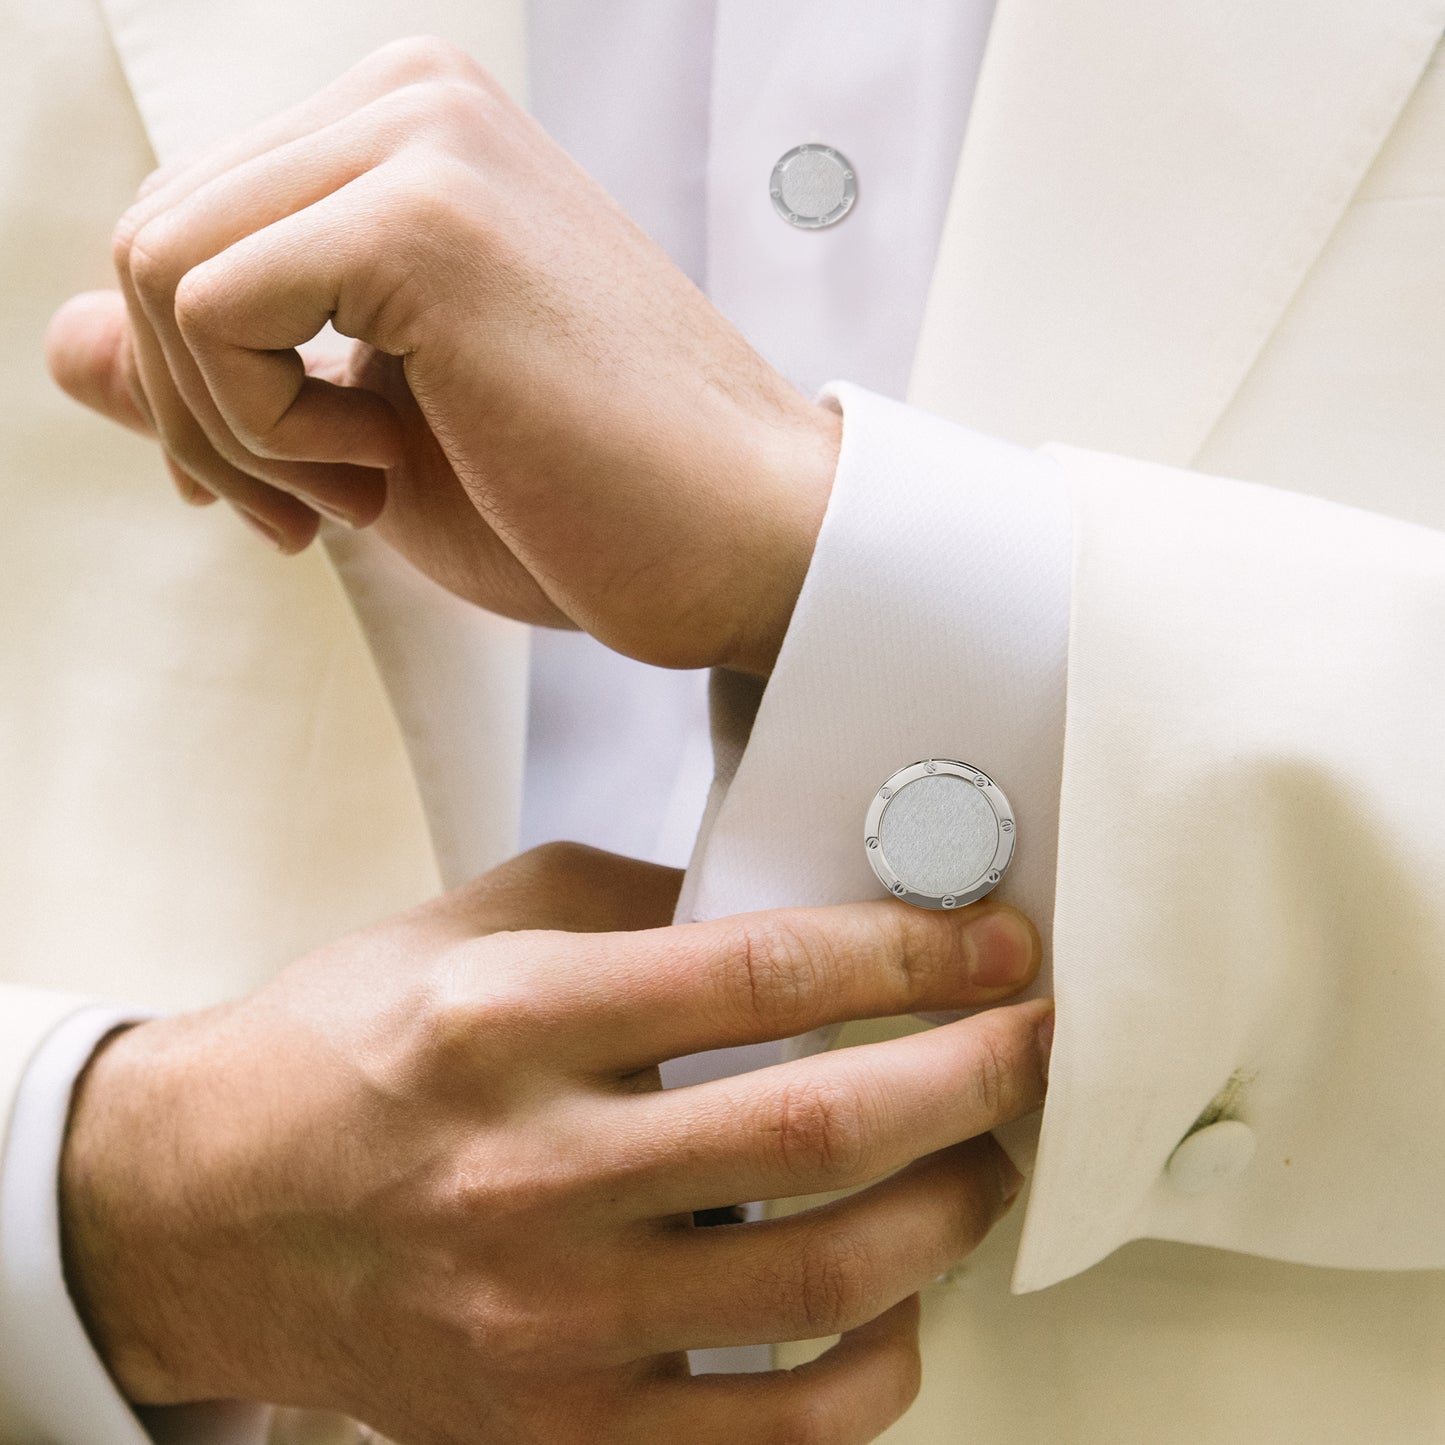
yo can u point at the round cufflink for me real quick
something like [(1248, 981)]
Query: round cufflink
[(940, 834)]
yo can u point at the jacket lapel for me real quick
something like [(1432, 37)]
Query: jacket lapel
[(455, 676), (1143, 186)]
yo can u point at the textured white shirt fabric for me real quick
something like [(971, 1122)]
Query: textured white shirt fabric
[(43, 1346), (986, 524), (680, 111)]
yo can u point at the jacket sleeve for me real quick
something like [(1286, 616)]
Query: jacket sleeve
[(1248, 808)]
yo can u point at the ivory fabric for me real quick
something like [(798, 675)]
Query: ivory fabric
[(440, 678), (1203, 237), (203, 775)]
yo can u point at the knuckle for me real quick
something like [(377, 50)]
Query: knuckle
[(457, 1198), (522, 1195), (992, 1074), (122, 238), (455, 101), (922, 950), (416, 58), (819, 1132), (427, 225), (520, 1336), (834, 1287), (558, 886), (566, 1327), (428, 112), (197, 298), (423, 200), (779, 968), (258, 441), (553, 886), (471, 1014), (557, 860), (154, 264)]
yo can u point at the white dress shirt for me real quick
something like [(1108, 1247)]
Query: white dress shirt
[(680, 111)]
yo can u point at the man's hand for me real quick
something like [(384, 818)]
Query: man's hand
[(542, 411), (427, 1176)]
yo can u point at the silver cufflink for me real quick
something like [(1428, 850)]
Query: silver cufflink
[(813, 186), (940, 834)]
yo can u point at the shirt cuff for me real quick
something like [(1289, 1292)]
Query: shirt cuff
[(933, 622), (51, 1379)]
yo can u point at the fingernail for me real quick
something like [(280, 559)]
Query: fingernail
[(1046, 1042), (1003, 950), (264, 530)]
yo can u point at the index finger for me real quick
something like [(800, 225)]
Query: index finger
[(653, 996), (399, 63), (833, 1121)]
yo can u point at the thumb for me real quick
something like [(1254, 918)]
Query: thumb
[(88, 353)]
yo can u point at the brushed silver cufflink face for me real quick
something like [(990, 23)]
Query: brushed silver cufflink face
[(940, 834)]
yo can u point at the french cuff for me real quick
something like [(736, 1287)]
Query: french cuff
[(52, 1383), (933, 622), (50, 1376)]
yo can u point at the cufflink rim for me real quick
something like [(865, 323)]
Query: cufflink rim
[(991, 877), (796, 218)]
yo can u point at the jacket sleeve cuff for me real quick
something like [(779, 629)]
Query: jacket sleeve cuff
[(1249, 920)]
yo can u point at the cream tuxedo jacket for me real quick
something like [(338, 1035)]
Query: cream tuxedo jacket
[(1186, 243)]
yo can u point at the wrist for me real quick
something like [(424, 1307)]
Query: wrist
[(799, 465), (113, 1220)]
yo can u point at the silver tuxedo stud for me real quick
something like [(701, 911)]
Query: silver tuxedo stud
[(813, 186)]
